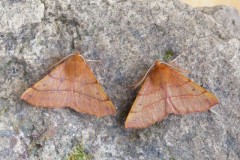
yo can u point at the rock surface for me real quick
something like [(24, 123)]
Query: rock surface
[(225, 16), (127, 36)]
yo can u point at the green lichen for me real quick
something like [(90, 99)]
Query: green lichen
[(79, 154), (168, 55)]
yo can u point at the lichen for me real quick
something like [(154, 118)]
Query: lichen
[(79, 154), (168, 55)]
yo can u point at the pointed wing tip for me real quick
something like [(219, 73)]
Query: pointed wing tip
[(113, 112), (27, 95), (129, 126), (133, 126), (131, 123), (216, 100), (214, 103), (109, 112), (24, 96), (213, 98)]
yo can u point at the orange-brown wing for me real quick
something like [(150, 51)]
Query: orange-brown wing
[(71, 84), (185, 96), (167, 91), (149, 106), (89, 96)]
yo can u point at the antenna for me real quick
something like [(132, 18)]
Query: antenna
[(144, 77)]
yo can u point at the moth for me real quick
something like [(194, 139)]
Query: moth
[(165, 90), (71, 84)]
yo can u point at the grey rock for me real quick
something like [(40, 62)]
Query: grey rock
[(127, 36), (226, 16), (16, 13)]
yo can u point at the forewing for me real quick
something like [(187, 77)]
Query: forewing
[(89, 95), (149, 106), (165, 91), (70, 84), (185, 96), (51, 91)]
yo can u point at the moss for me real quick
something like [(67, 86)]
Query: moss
[(79, 154), (168, 55)]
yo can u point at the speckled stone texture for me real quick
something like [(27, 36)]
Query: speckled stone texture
[(127, 36)]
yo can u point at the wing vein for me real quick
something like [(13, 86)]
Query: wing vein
[(70, 91)]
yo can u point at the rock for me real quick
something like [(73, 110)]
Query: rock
[(127, 36), (16, 13), (226, 16)]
